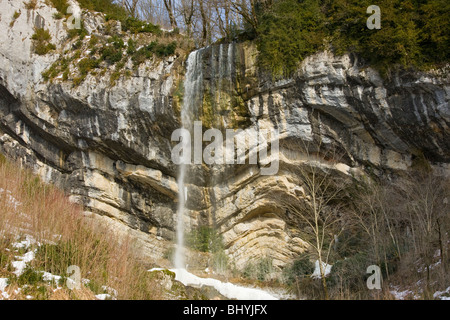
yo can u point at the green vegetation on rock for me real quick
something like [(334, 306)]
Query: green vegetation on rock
[(108, 7), (42, 44), (413, 33), (61, 6), (288, 33), (204, 239)]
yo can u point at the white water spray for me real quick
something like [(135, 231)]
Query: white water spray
[(179, 250)]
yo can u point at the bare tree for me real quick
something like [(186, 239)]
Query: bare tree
[(187, 11), (206, 25), (426, 201), (204, 20), (223, 14), (406, 221), (324, 189), (248, 10), (169, 4), (132, 7), (375, 213)]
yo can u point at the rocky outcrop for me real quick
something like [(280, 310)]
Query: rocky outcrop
[(377, 127), (109, 145)]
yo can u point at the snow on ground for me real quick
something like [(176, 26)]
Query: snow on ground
[(437, 256), (23, 260), (227, 289), (111, 291), (21, 264), (13, 201), (440, 294), (47, 276), (326, 269), (409, 294), (29, 240), (3, 285), (402, 294)]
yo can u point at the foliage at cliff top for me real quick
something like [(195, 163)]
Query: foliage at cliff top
[(414, 33), (108, 7), (95, 54)]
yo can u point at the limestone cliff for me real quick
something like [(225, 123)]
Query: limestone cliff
[(109, 144)]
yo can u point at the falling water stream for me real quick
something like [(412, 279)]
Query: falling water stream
[(192, 97)]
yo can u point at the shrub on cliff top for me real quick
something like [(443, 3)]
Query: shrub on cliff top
[(413, 33), (60, 5), (288, 33), (109, 7), (137, 26)]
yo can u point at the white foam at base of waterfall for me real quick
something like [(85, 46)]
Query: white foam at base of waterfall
[(227, 289)]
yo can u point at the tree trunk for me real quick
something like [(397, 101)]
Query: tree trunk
[(324, 281), (169, 8), (204, 23), (441, 245)]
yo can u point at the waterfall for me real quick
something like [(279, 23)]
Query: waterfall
[(192, 101), (182, 194), (193, 96)]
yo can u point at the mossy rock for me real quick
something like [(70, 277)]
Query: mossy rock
[(159, 274)]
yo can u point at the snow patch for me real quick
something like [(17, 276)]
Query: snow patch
[(440, 294), (402, 295), (3, 285), (47, 276), (326, 269), (227, 289), (21, 264), (22, 261), (28, 242), (103, 296), (110, 291)]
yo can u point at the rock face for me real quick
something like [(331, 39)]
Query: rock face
[(110, 147)]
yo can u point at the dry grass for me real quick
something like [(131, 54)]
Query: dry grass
[(30, 207), (30, 5), (66, 294)]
